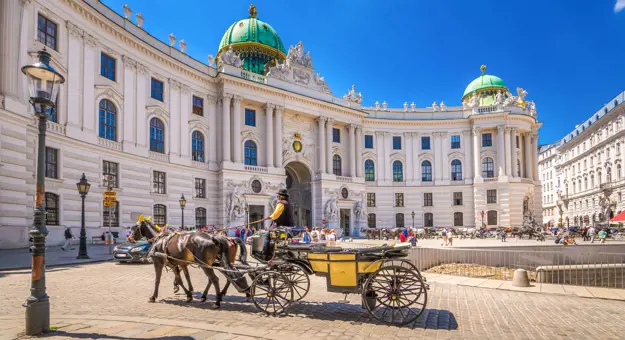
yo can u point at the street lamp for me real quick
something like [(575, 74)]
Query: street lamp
[(83, 189), (182, 202), (412, 219), (43, 86)]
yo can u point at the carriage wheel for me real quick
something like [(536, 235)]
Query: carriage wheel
[(395, 294), (300, 281), (271, 292)]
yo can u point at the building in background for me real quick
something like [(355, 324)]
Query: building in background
[(582, 173), (231, 132)]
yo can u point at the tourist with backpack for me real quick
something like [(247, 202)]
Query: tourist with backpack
[(68, 238)]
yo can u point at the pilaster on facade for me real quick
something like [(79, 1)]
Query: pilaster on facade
[(269, 125), (321, 140), (329, 153), (237, 144), (225, 100), (278, 137)]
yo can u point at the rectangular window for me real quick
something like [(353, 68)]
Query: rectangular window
[(110, 169), (250, 117), (457, 198), (425, 143), (107, 67), (370, 199), (111, 215), (396, 143), (487, 139), (455, 142), (157, 89), (427, 199), (198, 106), (491, 196), (336, 135), (368, 141), (46, 32), (399, 199), (52, 165), (158, 183), (200, 188)]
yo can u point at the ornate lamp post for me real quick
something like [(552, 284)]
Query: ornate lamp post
[(83, 189), (412, 214), (43, 85), (182, 202)]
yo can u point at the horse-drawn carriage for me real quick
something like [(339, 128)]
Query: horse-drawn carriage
[(392, 288)]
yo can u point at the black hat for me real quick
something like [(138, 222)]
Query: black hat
[(283, 192)]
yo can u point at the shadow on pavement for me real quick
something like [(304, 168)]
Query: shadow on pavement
[(78, 335), (350, 312)]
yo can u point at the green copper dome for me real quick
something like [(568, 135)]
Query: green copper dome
[(484, 82), (256, 42)]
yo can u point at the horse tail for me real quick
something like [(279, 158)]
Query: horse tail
[(243, 248)]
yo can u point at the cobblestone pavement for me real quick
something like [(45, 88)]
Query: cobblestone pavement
[(454, 312)]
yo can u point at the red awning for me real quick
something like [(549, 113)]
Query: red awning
[(619, 218)]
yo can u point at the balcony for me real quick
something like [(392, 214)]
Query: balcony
[(110, 144), (256, 169), (199, 165), (527, 180), (159, 156), (253, 77), (399, 184), (491, 179), (486, 109), (55, 128), (347, 179)]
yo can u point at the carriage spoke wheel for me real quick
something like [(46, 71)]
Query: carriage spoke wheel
[(271, 292), (395, 294), (298, 278)]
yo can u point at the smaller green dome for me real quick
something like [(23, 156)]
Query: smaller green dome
[(484, 82)]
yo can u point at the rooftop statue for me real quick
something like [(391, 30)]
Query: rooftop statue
[(230, 57), (297, 56), (352, 96)]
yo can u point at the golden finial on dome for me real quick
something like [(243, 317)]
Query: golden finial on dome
[(483, 69), (253, 12)]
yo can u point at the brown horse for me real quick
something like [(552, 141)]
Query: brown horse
[(182, 249)]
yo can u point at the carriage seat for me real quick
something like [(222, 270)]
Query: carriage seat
[(313, 248)]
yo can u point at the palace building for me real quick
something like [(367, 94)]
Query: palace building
[(228, 133)]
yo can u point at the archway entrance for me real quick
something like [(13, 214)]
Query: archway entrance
[(300, 192)]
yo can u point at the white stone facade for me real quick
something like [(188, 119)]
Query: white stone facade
[(582, 173), (293, 133)]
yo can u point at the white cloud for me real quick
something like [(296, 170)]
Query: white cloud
[(619, 6)]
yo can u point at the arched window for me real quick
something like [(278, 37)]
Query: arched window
[(336, 165), (573, 187), (197, 146), (398, 171), (491, 218), (157, 135), (518, 168), (426, 171), (250, 153), (585, 183), (369, 170), (52, 209), (458, 219), (371, 221), (488, 168), (399, 220), (592, 181), (599, 178), (108, 120), (200, 217), (456, 170), (608, 175), (618, 171), (428, 220), (160, 215), (580, 186)]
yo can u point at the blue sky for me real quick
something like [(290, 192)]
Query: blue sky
[(568, 54)]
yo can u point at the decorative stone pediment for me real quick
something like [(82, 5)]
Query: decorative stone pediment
[(200, 125), (398, 156), (249, 134), (369, 155), (298, 69), (456, 155)]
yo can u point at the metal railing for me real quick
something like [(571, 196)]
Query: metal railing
[(571, 265)]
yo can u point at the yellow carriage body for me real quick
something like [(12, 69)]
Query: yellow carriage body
[(344, 271)]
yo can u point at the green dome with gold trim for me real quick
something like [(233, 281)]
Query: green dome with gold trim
[(256, 42), (484, 83)]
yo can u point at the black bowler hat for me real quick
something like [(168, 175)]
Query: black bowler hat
[(283, 192)]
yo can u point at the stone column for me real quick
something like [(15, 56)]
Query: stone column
[(329, 155), (173, 140), (321, 140), (536, 173), (528, 156), (388, 146), (130, 67), (225, 126), (409, 154), (476, 152), (236, 129), (278, 136), (269, 133), (414, 159), (74, 72), (143, 126), (352, 149), (379, 139), (508, 153), (89, 104), (445, 145), (438, 157), (211, 106), (501, 162), (185, 109), (11, 27), (514, 155), (359, 148), (468, 159)]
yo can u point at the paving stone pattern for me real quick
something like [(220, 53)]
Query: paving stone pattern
[(79, 296)]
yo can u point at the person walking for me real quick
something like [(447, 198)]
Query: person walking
[(450, 238), (603, 234), (444, 234), (591, 233), (503, 236), (306, 236), (68, 239)]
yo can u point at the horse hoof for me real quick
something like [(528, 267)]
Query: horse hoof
[(203, 299), (176, 289), (189, 298), (216, 306), (152, 300), (190, 289)]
